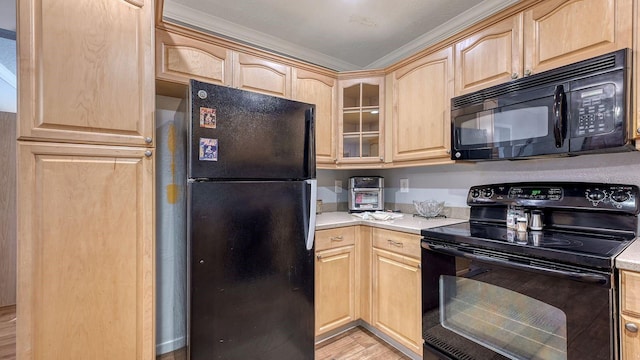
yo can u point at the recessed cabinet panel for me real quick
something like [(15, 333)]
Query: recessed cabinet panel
[(180, 58), (598, 27), (490, 56), (86, 279), (85, 70), (422, 94), (260, 75), (320, 90)]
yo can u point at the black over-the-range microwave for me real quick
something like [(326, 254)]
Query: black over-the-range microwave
[(579, 108)]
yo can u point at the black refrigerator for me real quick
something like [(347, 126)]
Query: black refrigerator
[(251, 196)]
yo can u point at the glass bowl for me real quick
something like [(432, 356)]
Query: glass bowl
[(429, 208)]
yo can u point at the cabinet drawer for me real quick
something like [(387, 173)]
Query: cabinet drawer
[(398, 242), (333, 238), (630, 292)]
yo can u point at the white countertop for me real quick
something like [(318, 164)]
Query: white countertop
[(408, 223), (629, 259)]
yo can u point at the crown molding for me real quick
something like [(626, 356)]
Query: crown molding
[(444, 31), (194, 18), (218, 26)]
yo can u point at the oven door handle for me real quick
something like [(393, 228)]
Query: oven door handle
[(590, 278)]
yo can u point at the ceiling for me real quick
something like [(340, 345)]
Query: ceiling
[(337, 34)]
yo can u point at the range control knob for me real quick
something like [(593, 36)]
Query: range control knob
[(488, 192), (620, 196), (475, 193), (596, 195)]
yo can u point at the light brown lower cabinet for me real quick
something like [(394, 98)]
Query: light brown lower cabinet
[(630, 317), (335, 279), (397, 287), (373, 275), (86, 252)]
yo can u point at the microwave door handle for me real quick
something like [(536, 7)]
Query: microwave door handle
[(560, 115)]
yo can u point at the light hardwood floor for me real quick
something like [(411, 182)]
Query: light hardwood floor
[(7, 332), (354, 344)]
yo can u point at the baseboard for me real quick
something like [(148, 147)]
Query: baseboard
[(405, 350), (171, 345)]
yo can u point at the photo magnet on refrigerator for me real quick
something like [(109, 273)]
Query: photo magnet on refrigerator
[(208, 118), (208, 149)]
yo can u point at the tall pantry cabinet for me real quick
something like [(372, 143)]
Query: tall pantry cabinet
[(85, 198)]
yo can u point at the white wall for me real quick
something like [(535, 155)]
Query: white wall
[(171, 243), (451, 182), (8, 94)]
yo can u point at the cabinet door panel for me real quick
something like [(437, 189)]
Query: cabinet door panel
[(630, 341), (397, 294), (87, 71), (335, 288), (179, 58), (421, 108), (256, 74), (320, 90), (597, 27), (86, 274), (490, 56)]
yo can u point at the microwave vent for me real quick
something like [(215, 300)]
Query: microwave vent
[(594, 66)]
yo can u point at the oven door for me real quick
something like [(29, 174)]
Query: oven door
[(511, 126), (481, 307)]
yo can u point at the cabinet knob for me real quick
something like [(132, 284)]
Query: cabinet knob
[(337, 238), (638, 130), (148, 140), (514, 75), (148, 153), (631, 327), (319, 257), (527, 72), (381, 158), (449, 152)]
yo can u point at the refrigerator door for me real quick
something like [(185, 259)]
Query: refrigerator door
[(237, 134), (251, 275)]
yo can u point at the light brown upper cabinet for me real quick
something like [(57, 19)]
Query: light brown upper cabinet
[(422, 93), (361, 120), (560, 32), (489, 56), (180, 58), (261, 75), (84, 74), (545, 36), (319, 89)]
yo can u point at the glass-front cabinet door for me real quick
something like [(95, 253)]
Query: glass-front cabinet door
[(361, 120)]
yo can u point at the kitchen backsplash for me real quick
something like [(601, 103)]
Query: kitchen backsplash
[(450, 183)]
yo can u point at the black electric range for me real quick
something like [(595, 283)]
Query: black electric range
[(584, 224), (531, 274)]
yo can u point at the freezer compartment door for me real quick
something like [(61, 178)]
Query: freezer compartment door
[(237, 134), (251, 274)]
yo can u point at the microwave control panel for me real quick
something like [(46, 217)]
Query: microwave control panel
[(594, 110)]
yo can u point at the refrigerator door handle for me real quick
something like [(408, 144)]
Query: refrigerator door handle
[(312, 216)]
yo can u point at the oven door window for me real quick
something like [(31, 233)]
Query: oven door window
[(509, 323), (475, 310)]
